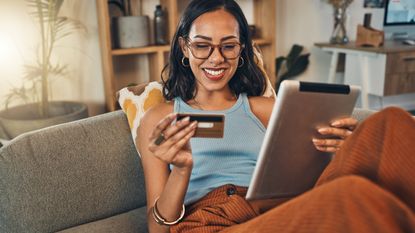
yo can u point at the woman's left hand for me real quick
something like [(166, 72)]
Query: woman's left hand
[(339, 130)]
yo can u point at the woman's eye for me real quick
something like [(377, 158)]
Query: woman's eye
[(202, 46), (229, 46)]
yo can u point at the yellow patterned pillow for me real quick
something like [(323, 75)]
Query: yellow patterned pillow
[(136, 100)]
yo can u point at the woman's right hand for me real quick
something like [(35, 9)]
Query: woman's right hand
[(175, 148)]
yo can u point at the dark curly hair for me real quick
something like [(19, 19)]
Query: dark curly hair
[(181, 81)]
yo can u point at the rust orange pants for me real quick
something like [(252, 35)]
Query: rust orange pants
[(368, 187)]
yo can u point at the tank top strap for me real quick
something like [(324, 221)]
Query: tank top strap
[(177, 103)]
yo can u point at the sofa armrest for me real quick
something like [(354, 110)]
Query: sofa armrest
[(70, 174), (361, 114)]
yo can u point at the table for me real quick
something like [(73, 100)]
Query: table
[(383, 71)]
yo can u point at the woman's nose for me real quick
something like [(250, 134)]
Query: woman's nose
[(216, 56)]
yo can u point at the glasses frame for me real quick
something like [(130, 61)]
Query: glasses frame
[(212, 48)]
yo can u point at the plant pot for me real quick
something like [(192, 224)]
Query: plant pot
[(25, 118), (131, 31)]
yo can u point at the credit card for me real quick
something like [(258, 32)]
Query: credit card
[(208, 125)]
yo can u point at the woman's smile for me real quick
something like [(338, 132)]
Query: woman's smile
[(214, 74)]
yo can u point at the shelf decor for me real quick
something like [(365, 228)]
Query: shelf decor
[(339, 34), (123, 66), (130, 30)]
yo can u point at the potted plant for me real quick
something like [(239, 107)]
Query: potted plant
[(291, 66), (37, 111)]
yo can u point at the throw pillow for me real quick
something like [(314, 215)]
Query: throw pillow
[(136, 100)]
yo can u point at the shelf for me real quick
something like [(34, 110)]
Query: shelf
[(141, 50), (262, 41), (123, 66)]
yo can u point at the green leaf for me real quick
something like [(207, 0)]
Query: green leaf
[(278, 63), (294, 54), (298, 67)]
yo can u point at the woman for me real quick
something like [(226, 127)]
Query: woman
[(212, 70)]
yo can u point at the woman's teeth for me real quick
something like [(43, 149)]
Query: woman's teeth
[(214, 72)]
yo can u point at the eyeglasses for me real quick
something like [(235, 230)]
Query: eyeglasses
[(203, 50)]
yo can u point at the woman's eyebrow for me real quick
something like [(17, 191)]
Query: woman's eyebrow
[(203, 37), (228, 37), (210, 39)]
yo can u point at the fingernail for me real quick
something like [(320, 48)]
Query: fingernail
[(322, 130), (320, 148), (336, 123), (194, 124), (186, 119)]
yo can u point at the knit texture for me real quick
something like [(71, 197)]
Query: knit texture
[(368, 187)]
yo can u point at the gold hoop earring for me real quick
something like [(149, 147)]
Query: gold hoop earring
[(184, 64), (242, 62)]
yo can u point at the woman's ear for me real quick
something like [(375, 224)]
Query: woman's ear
[(183, 47)]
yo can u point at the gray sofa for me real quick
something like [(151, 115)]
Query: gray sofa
[(83, 176)]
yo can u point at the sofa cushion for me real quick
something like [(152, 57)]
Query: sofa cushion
[(132, 221), (70, 174), (361, 114)]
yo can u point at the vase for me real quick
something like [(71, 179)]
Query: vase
[(339, 35), (131, 31), (24, 118)]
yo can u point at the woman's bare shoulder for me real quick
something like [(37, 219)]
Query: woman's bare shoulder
[(261, 107), (261, 100)]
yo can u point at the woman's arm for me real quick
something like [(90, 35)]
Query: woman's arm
[(169, 187)]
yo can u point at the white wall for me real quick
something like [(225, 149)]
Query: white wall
[(298, 21), (306, 22), (19, 43)]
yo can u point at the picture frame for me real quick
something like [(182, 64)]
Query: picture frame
[(374, 3)]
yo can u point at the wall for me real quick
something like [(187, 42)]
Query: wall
[(306, 22), (80, 51), (298, 21), (18, 44)]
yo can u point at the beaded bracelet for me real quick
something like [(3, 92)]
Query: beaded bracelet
[(162, 221)]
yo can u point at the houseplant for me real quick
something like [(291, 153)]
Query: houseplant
[(294, 64), (37, 111)]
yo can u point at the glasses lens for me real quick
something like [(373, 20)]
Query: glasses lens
[(230, 50), (203, 50)]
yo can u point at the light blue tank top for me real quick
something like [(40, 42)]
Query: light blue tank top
[(227, 160)]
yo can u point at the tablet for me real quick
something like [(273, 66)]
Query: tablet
[(288, 163)]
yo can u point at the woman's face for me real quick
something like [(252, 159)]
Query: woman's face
[(213, 28)]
